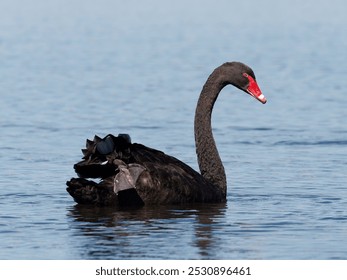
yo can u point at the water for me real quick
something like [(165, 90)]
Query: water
[(72, 69)]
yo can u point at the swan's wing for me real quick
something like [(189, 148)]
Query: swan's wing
[(98, 162), (100, 154), (103, 158), (168, 180)]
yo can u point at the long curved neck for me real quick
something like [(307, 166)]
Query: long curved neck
[(210, 163)]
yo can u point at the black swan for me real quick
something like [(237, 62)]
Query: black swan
[(133, 175)]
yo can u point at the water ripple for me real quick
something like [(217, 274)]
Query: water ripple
[(285, 161), (311, 143)]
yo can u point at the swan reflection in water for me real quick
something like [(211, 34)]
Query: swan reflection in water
[(152, 232)]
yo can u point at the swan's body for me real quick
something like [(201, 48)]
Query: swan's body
[(133, 174)]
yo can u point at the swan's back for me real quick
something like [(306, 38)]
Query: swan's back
[(133, 175)]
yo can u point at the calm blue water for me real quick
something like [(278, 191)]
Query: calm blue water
[(69, 71)]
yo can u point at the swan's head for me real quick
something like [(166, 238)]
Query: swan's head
[(242, 76)]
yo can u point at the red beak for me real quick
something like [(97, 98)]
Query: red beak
[(254, 90)]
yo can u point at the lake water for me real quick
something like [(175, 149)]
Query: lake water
[(72, 69)]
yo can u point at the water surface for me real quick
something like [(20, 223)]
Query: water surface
[(72, 70)]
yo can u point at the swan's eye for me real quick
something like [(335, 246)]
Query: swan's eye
[(245, 75)]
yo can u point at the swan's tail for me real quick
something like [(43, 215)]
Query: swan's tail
[(88, 192)]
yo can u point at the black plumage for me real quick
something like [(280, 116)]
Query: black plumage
[(132, 175)]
